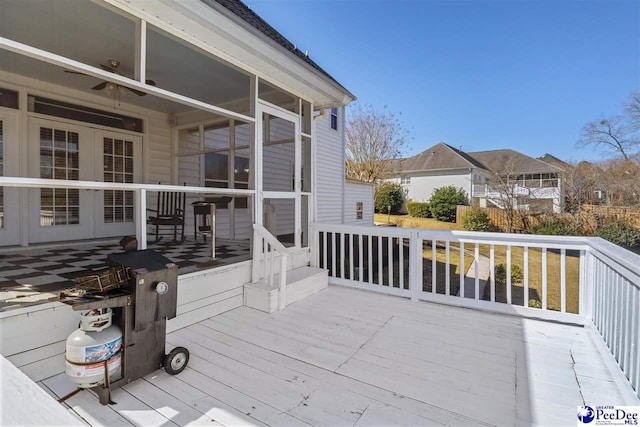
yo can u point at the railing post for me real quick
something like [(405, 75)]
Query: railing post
[(282, 294), (256, 257), (585, 285), (141, 218), (314, 246), (415, 265)]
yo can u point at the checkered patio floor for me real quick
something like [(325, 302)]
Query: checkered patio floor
[(33, 276)]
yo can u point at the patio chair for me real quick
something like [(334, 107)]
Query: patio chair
[(170, 212)]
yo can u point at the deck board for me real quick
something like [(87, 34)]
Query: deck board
[(345, 357)]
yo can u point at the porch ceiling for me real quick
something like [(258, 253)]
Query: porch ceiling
[(91, 34)]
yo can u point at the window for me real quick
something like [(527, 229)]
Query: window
[(405, 180), (59, 160), (65, 110), (359, 210), (118, 167), (334, 118)]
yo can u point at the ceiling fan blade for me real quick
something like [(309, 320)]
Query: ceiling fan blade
[(137, 92), (107, 68), (75, 72), (100, 86), (150, 82)]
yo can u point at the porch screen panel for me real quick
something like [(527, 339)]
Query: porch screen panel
[(118, 167), (1, 174), (278, 154), (59, 160)]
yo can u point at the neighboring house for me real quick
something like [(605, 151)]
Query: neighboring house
[(537, 184)]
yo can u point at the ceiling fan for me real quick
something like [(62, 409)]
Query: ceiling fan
[(112, 67)]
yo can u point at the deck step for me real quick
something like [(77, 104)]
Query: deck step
[(301, 282)]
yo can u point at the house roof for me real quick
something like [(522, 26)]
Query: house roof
[(242, 11), (554, 161), (500, 160), (440, 156), (444, 157)]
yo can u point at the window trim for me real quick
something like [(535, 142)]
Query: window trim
[(359, 210)]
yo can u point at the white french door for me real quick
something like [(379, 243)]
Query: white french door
[(59, 150), (9, 197), (279, 176), (119, 158)]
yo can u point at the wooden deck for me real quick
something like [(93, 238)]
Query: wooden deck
[(347, 357)]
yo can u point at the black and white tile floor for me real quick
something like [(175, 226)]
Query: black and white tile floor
[(34, 275)]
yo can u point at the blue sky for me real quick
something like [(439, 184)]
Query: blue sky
[(482, 74)]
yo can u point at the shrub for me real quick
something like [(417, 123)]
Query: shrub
[(475, 219), (444, 201), (534, 303), (555, 227), (620, 233), (419, 209), (501, 274), (388, 194)]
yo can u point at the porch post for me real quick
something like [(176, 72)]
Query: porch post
[(140, 67), (254, 180), (141, 217)]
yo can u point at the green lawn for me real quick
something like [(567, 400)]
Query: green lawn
[(535, 266)]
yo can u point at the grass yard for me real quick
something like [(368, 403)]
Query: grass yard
[(517, 289), (407, 221)]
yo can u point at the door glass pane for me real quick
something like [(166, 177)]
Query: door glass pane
[(279, 219), (117, 167), (278, 154), (306, 164), (1, 174), (305, 220), (59, 160)]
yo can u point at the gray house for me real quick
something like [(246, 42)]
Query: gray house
[(485, 175)]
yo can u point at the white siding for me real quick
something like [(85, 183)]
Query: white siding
[(159, 152), (421, 187), (358, 192), (330, 169)]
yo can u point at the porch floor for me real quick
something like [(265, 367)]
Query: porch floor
[(31, 276), (347, 357)]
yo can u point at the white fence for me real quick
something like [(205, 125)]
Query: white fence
[(586, 281)]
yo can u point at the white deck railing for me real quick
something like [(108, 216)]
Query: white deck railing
[(581, 280), (267, 253)]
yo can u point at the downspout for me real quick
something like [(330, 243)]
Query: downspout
[(471, 186)]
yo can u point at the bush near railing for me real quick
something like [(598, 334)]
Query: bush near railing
[(475, 219), (419, 209), (583, 223)]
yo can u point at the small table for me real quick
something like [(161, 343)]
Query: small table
[(204, 214)]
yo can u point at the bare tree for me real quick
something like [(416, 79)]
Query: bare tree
[(614, 134), (505, 190), (632, 109), (373, 139), (582, 185), (620, 182)]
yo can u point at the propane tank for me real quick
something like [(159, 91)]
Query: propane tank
[(90, 345)]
